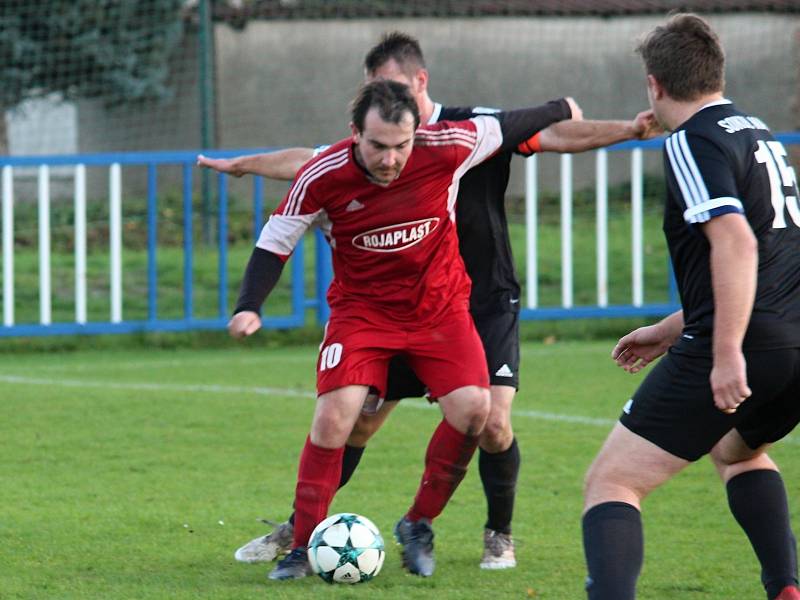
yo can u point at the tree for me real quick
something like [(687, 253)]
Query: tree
[(116, 50)]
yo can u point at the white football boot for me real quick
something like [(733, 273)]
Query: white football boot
[(498, 550), (267, 547)]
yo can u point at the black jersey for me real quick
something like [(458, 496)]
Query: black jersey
[(720, 161), (483, 228)]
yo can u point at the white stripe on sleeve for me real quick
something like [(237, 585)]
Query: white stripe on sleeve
[(692, 215), (298, 191), (490, 138), (281, 233), (684, 168), (697, 177)]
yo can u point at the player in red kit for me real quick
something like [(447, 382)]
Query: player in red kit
[(385, 199), (494, 300)]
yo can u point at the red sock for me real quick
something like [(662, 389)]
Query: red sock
[(317, 480), (446, 460)]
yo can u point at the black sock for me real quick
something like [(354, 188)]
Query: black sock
[(757, 500), (350, 460), (614, 547), (499, 477)]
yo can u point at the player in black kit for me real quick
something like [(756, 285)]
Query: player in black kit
[(729, 383), (494, 302)]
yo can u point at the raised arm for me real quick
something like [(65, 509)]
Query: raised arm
[(522, 124), (579, 136), (282, 164)]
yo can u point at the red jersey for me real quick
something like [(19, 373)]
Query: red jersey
[(395, 248)]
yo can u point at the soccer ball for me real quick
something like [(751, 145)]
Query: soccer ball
[(346, 548)]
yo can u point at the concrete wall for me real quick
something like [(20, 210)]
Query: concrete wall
[(284, 83), (169, 124), (289, 82)]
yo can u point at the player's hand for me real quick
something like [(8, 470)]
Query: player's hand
[(223, 165), (577, 113), (729, 381), (645, 126), (243, 324), (640, 347)]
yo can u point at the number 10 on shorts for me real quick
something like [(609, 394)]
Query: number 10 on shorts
[(330, 356)]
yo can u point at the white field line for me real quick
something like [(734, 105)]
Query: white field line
[(195, 361), (531, 414), (262, 391), (156, 387), (285, 392), (158, 364)]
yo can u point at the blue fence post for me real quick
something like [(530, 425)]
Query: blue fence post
[(152, 238), (222, 224), (188, 292), (324, 276), (673, 285), (258, 205), (299, 282)]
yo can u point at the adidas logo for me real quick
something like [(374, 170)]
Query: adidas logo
[(354, 205), (504, 371), (627, 408)]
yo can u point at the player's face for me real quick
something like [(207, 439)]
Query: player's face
[(383, 148), (392, 71)]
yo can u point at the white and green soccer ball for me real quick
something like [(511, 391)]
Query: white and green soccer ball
[(346, 548)]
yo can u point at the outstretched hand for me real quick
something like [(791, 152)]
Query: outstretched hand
[(222, 165), (645, 126), (640, 347)]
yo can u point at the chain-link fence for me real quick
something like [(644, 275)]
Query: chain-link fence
[(240, 11), (82, 76), (89, 75)]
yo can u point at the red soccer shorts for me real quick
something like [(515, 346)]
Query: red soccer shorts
[(446, 357)]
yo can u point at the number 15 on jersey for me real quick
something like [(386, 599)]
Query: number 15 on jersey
[(772, 154)]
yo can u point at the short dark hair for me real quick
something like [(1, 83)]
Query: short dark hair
[(401, 47), (392, 99), (685, 56)]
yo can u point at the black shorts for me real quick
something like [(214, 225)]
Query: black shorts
[(499, 333), (674, 407)]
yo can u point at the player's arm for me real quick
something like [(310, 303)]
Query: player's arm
[(708, 194), (502, 132), (282, 164), (522, 124), (297, 212), (642, 346), (579, 136), (260, 277), (734, 268)]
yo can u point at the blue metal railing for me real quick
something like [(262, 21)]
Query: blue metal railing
[(299, 302), (186, 161)]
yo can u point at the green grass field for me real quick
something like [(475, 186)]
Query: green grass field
[(135, 474)]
